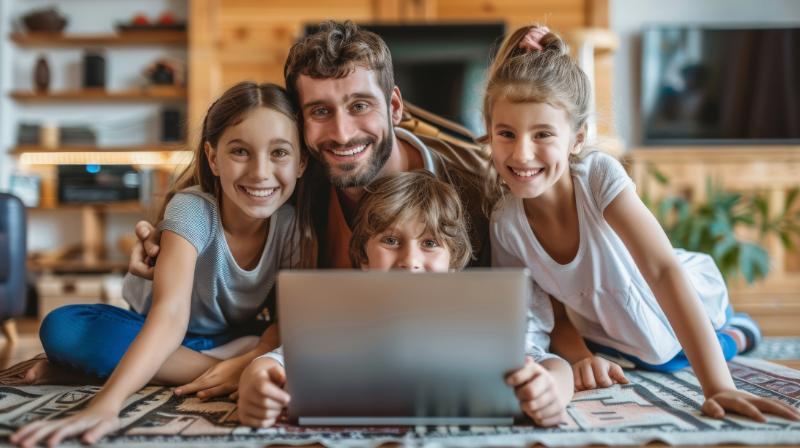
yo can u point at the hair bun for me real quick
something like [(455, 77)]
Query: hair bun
[(552, 42)]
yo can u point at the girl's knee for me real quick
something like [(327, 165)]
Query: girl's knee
[(58, 331)]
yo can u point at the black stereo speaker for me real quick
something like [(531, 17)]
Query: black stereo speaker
[(94, 70), (171, 125)]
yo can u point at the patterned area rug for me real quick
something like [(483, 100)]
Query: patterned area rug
[(777, 348), (655, 407)]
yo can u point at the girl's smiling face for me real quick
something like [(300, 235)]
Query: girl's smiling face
[(531, 144), (258, 161), (407, 246)]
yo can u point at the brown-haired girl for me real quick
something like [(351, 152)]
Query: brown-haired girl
[(227, 230), (573, 218)]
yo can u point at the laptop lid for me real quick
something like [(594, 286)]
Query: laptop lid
[(396, 348)]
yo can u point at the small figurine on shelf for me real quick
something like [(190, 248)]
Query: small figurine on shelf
[(41, 75), (167, 18), (162, 74), (167, 21), (140, 19), (165, 71)]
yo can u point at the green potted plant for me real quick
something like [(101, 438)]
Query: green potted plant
[(711, 225)]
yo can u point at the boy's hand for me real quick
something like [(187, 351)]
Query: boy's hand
[(595, 371), (748, 405), (220, 379), (143, 255), (261, 395), (538, 395)]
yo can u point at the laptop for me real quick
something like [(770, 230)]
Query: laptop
[(396, 348)]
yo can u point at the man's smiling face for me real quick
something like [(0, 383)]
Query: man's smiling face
[(348, 125)]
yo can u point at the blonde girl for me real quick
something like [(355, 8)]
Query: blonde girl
[(573, 218), (227, 229)]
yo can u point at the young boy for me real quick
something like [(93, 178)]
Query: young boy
[(415, 222)]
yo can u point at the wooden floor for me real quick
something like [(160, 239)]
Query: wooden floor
[(28, 346)]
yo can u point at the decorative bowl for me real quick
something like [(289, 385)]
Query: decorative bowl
[(45, 20)]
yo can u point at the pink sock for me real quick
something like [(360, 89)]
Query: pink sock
[(738, 336)]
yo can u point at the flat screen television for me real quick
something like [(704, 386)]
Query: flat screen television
[(720, 86), (441, 67)]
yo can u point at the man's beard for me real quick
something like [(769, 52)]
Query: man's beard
[(346, 176)]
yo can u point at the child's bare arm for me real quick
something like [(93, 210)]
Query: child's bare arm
[(223, 378), (654, 256), (589, 371), (565, 339)]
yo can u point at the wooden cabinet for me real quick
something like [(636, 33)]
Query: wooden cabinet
[(769, 170)]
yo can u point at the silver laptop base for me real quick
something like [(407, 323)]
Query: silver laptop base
[(405, 421)]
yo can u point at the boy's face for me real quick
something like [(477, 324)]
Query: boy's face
[(407, 246)]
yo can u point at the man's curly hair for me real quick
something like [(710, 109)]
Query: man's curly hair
[(334, 52)]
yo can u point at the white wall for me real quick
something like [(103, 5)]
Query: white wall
[(627, 18), (120, 124), (6, 106)]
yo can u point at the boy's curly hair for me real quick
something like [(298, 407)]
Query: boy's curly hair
[(415, 194)]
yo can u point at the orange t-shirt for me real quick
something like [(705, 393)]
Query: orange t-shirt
[(336, 252)]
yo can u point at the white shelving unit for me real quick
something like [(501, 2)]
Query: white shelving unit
[(121, 119)]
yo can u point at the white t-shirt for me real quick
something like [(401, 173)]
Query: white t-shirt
[(604, 293)]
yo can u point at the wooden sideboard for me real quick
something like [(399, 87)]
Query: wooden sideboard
[(770, 170)]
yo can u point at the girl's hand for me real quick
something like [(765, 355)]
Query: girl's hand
[(595, 371), (220, 379), (748, 405), (93, 423), (262, 398), (537, 392)]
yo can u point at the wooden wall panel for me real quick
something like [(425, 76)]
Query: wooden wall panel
[(604, 77), (557, 14), (250, 39)]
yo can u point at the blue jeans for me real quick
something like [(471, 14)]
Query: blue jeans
[(93, 338), (726, 342)]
